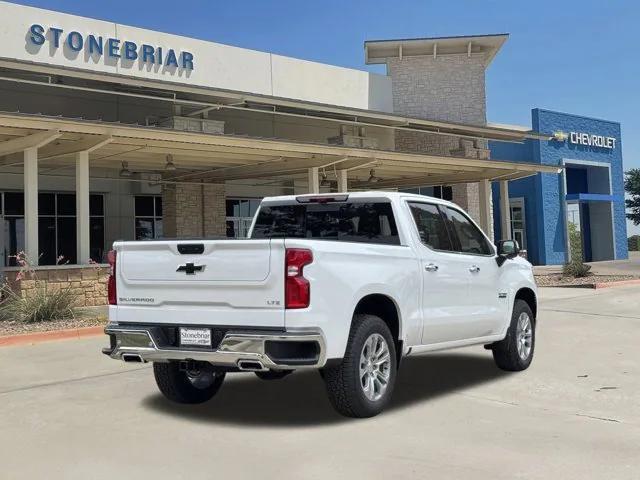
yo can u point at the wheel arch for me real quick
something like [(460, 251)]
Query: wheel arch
[(529, 296), (385, 307)]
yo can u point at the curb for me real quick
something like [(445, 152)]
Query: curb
[(39, 337), (620, 283)]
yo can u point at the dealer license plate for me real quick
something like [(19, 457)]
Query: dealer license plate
[(200, 337)]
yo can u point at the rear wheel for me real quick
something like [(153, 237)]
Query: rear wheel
[(361, 386), (196, 385), (515, 352), (273, 374)]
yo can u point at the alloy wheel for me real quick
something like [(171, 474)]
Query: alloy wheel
[(375, 367), (524, 336)]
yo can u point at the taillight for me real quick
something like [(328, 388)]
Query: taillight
[(297, 290), (111, 283)]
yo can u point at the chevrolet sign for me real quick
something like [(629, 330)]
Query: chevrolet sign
[(590, 140)]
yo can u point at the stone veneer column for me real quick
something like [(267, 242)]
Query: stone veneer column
[(215, 212), (449, 88), (193, 210)]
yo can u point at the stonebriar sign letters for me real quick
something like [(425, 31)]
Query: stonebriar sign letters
[(113, 48)]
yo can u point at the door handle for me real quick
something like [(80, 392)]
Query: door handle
[(474, 269), (431, 267)]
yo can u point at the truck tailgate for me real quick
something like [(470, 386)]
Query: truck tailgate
[(231, 282)]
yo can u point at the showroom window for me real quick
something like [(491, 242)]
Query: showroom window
[(439, 191), (148, 217), (12, 209), (56, 227), (240, 212)]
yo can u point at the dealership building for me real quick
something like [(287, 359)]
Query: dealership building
[(110, 132)]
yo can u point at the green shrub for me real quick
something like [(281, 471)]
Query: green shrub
[(634, 243), (576, 269), (39, 305), (575, 242)]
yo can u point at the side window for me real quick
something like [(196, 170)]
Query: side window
[(431, 226), (470, 238)]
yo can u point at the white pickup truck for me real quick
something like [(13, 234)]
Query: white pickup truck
[(345, 283)]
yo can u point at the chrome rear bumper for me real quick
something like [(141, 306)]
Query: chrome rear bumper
[(234, 348)]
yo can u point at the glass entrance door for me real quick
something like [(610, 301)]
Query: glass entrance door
[(240, 213), (518, 226)]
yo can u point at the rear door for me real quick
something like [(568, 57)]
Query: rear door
[(486, 308), (212, 282), (445, 308)]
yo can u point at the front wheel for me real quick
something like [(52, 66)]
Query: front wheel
[(361, 386), (515, 352), (191, 386)]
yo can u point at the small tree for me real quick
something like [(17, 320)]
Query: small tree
[(576, 267), (575, 242), (632, 187)]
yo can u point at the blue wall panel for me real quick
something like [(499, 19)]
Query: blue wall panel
[(553, 152), (543, 194)]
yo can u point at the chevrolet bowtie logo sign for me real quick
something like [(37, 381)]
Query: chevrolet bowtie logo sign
[(560, 136), (190, 268)]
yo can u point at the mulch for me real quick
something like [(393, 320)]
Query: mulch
[(10, 327)]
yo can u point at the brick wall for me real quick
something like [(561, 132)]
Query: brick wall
[(193, 210), (87, 284), (449, 88)]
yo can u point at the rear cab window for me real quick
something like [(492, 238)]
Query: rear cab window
[(355, 220)]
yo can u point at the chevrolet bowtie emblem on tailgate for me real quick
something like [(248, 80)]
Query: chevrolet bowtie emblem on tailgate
[(190, 268)]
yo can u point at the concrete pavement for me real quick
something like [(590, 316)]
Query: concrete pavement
[(68, 412)]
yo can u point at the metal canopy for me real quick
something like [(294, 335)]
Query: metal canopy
[(218, 158), (197, 100)]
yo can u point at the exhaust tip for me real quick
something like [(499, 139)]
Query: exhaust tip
[(132, 358), (250, 366)]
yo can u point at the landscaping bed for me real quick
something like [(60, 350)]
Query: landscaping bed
[(12, 327), (590, 281)]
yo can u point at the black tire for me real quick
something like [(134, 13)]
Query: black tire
[(505, 352), (273, 374), (177, 386), (343, 381)]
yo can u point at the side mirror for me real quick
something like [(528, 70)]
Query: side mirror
[(507, 249)]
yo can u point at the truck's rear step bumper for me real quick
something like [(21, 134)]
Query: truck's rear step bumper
[(273, 350)]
